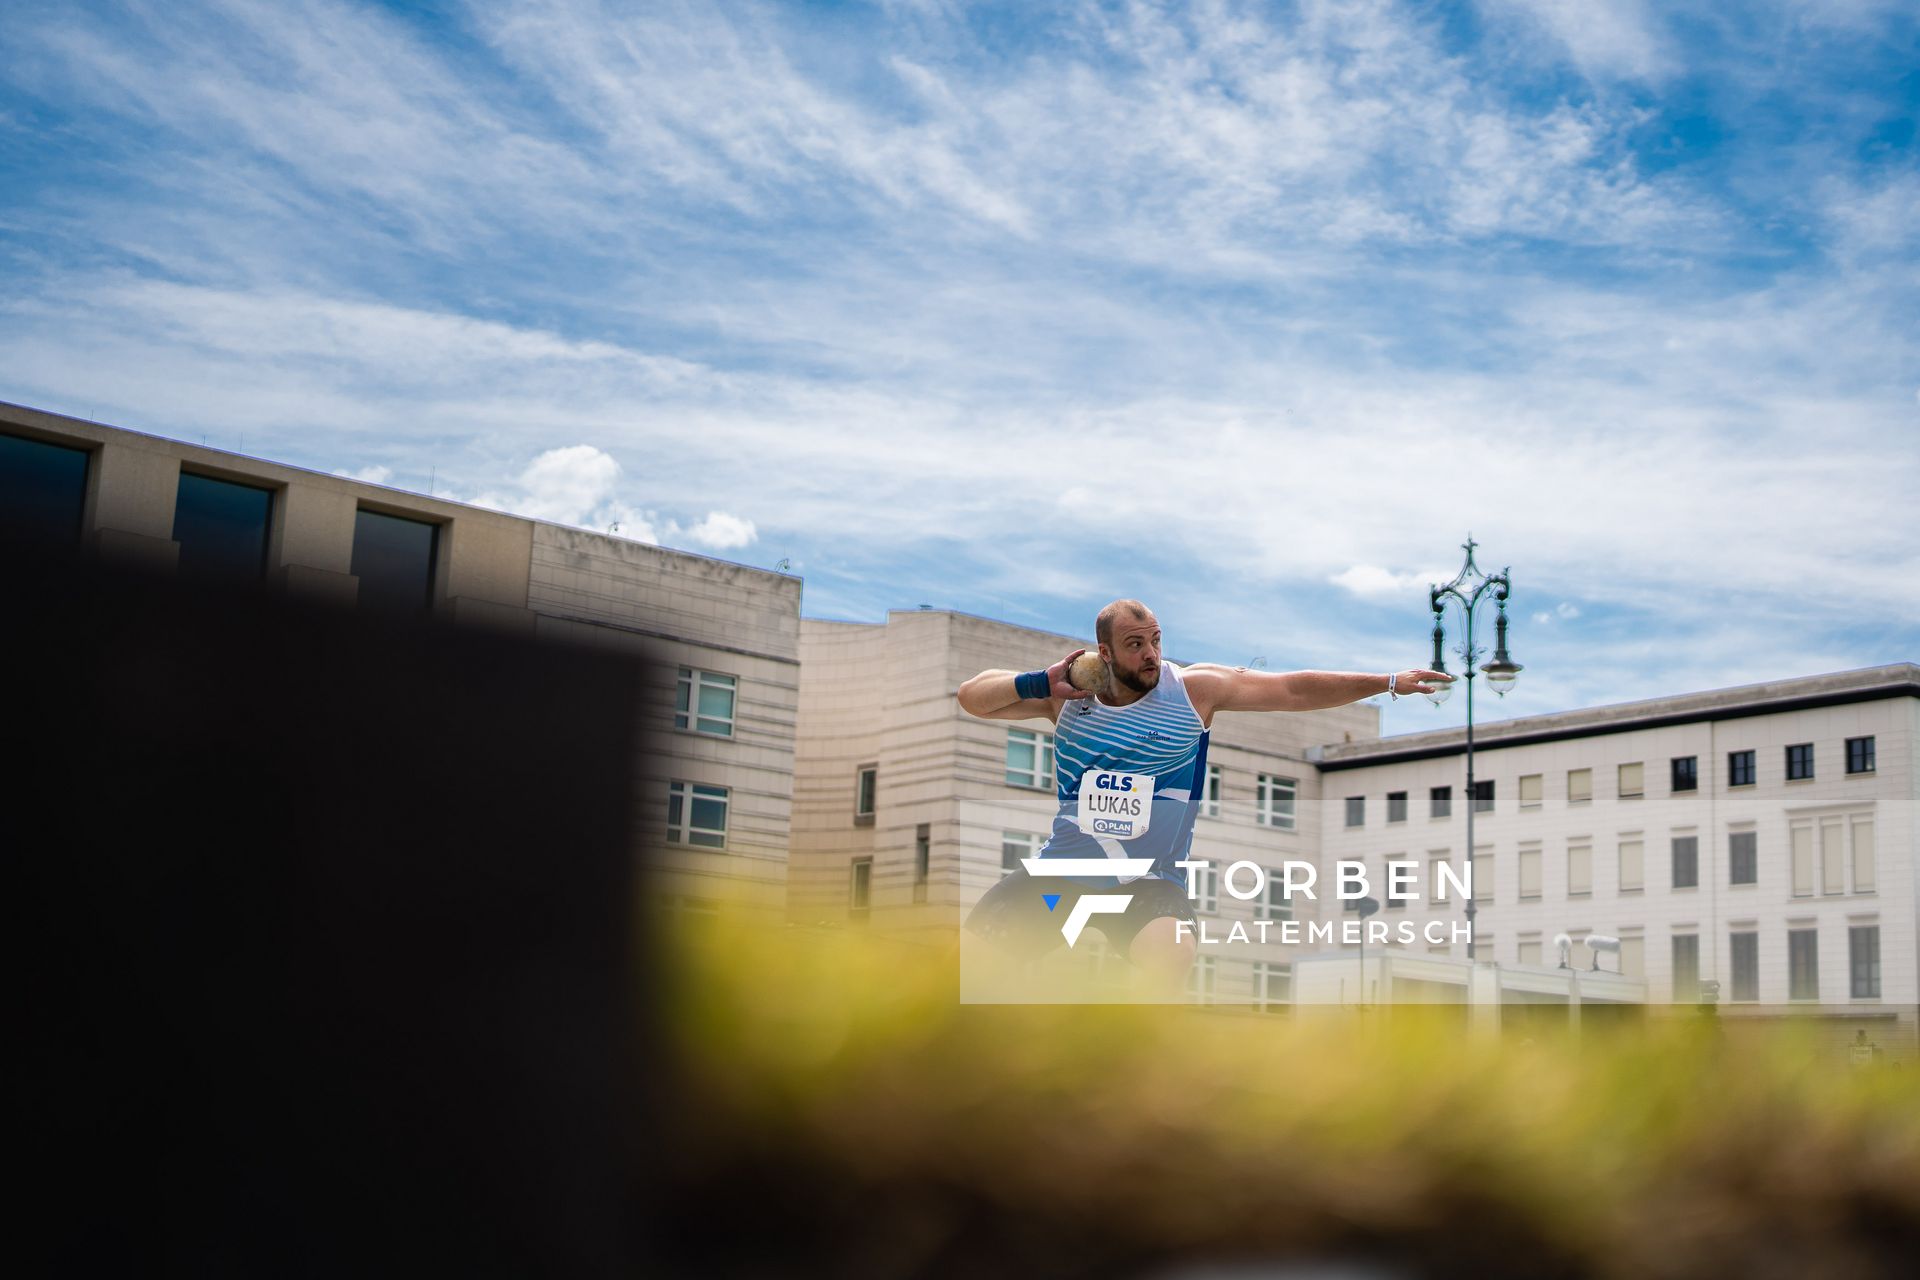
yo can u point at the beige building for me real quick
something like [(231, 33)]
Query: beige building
[(1754, 844), (907, 810), (722, 639)]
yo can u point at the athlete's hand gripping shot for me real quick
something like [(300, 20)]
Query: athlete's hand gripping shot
[(1130, 753)]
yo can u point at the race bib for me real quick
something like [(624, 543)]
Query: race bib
[(1115, 805)]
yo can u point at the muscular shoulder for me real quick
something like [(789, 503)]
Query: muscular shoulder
[(1206, 684)]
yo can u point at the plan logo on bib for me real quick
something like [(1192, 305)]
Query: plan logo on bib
[(1116, 805), (1087, 905)]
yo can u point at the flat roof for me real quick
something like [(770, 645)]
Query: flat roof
[(1868, 684)]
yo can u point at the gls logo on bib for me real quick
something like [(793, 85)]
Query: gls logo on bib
[(1116, 805)]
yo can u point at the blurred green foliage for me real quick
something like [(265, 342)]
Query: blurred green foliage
[(866, 1123)]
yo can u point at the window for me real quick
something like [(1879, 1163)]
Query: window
[(1483, 797), (1863, 962), (1396, 806), (1686, 862), (1210, 804), (866, 781), (1530, 791), (1633, 780), (1015, 845), (1274, 798), (1801, 836), (1383, 886), (1579, 786), (922, 860), (1273, 985), (1200, 980), (1633, 956), (1746, 967), (1437, 888), (221, 528), (1632, 866), (1356, 811), (1529, 860), (1686, 773), (1686, 967), (1483, 874), (1800, 761), (1743, 861), (1440, 802), (697, 815), (1528, 951), (1208, 903), (393, 559), (1860, 755), (860, 889), (1274, 903), (1803, 964), (43, 492), (1029, 759), (1579, 870), (1740, 769), (1863, 855), (703, 702), (1833, 871)]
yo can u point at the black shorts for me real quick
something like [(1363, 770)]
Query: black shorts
[(1014, 915)]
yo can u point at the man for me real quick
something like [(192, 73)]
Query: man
[(1146, 732)]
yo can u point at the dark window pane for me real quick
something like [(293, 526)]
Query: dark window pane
[(1863, 957), (1686, 773), (1740, 769), (1483, 797), (1440, 800), (1803, 965), (1746, 966), (1356, 811), (1743, 866), (1686, 862), (221, 528), (1396, 806), (1860, 755), (1800, 761), (43, 488), (393, 558)]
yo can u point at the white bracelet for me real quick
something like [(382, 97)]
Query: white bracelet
[(1392, 676)]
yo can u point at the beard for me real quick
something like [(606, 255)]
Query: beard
[(1136, 681)]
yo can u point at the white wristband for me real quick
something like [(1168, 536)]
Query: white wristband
[(1392, 677)]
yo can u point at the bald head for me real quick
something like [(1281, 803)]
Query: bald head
[(1131, 610)]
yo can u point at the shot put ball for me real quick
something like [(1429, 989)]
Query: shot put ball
[(1087, 671)]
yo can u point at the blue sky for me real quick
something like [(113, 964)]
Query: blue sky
[(1253, 311)]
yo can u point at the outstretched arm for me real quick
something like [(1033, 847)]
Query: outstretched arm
[(991, 695), (1216, 688)]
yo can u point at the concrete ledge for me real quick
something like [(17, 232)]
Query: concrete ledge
[(137, 550), (325, 585), (471, 611)]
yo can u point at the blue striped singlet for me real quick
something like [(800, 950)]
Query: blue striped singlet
[(1158, 734)]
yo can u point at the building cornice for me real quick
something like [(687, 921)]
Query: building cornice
[(1592, 723)]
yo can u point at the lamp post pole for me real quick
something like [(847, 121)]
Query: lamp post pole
[(1467, 588)]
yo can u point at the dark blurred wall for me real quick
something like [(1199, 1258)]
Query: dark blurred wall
[(326, 937)]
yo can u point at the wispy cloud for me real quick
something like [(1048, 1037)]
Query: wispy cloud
[(1253, 311)]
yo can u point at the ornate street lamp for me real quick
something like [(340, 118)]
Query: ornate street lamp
[(1467, 588)]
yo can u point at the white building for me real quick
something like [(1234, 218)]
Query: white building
[(1759, 838)]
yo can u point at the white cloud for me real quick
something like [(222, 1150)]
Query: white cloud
[(722, 532), (371, 475), (1613, 38), (1370, 582)]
